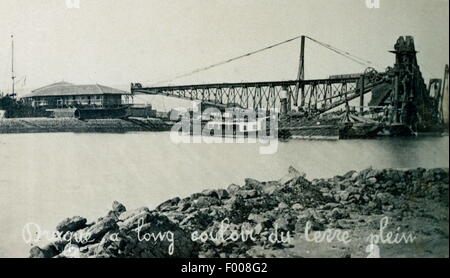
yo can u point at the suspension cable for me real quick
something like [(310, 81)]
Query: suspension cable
[(227, 61), (344, 53)]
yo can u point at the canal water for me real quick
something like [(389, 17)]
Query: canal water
[(45, 178)]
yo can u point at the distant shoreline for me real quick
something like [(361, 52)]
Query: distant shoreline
[(49, 125)]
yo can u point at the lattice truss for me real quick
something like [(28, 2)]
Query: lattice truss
[(310, 95)]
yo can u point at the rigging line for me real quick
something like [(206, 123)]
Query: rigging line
[(227, 61), (358, 61), (344, 53)]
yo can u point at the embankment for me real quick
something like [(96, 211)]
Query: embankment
[(39, 125), (414, 201)]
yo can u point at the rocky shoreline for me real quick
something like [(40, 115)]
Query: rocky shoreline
[(415, 200)]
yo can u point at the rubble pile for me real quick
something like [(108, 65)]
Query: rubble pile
[(285, 205)]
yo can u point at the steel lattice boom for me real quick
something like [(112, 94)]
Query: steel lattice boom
[(318, 95)]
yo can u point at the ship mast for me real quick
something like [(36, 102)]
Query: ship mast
[(12, 66)]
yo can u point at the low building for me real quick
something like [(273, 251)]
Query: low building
[(68, 95)]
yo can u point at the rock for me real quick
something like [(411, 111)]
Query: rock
[(208, 254), (344, 195), (356, 197), (59, 245), (258, 228), (435, 174), (270, 188), (247, 194), (218, 213), (352, 190), (169, 203), (346, 224), (238, 208), (223, 194), (72, 251), (184, 204), (316, 219), (300, 225), (204, 202), (330, 206), (49, 251), (394, 175), (385, 198), (362, 174), (328, 196), (282, 206), (175, 216), (210, 193), (354, 176), (372, 207), (258, 218), (133, 221), (252, 184), (387, 207), (37, 253), (337, 214), (297, 207), (233, 188), (89, 250), (107, 248), (118, 208), (350, 174), (72, 224), (132, 213), (98, 230), (197, 220), (292, 176), (346, 256), (372, 180), (283, 223), (373, 173), (195, 196)]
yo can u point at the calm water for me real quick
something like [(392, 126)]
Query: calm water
[(47, 177)]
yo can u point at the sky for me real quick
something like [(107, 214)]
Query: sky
[(115, 43)]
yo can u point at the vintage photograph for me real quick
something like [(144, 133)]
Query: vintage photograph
[(224, 129)]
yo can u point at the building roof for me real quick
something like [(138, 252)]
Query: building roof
[(69, 89)]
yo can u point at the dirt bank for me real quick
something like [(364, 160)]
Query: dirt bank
[(39, 125)]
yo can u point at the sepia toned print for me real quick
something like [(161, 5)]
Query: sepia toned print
[(224, 129)]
